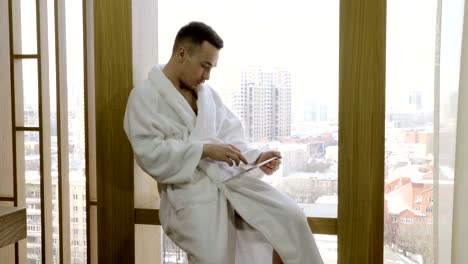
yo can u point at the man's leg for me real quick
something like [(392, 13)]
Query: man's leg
[(205, 231), (251, 246)]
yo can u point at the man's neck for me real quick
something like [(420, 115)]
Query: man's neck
[(171, 74)]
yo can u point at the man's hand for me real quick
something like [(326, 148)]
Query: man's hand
[(223, 152), (271, 166)]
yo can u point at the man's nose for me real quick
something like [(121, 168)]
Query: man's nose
[(206, 75)]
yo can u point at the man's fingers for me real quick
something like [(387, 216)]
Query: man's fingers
[(243, 159), (234, 158), (275, 162), (234, 147), (270, 166), (240, 158), (266, 170), (229, 161), (277, 154), (239, 154)]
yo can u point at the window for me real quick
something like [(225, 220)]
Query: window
[(423, 60), (283, 103), (406, 220)]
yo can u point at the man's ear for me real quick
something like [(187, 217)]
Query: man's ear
[(181, 52)]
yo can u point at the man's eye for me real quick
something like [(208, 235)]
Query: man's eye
[(206, 67)]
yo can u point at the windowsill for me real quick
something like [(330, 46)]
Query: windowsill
[(13, 226)]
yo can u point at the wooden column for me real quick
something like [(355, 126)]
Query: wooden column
[(361, 131), (114, 158)]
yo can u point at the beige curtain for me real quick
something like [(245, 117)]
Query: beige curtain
[(460, 208)]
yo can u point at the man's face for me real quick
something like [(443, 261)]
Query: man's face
[(196, 65)]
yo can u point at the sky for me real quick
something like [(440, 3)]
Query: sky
[(299, 35), (265, 34), (303, 36)]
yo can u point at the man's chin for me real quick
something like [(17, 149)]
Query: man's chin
[(192, 87)]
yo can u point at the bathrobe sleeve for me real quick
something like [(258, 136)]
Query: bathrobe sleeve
[(169, 160)]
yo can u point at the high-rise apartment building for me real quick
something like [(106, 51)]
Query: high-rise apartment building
[(77, 219), (263, 103)]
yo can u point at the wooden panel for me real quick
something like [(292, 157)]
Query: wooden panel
[(90, 99), (147, 216), (319, 225), (93, 241), (361, 131), (147, 244), (12, 225), (6, 162), (323, 226), (7, 253), (62, 130), (45, 132), (88, 70), (114, 157)]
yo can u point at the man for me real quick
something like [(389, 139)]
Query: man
[(190, 142)]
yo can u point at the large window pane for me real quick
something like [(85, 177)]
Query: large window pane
[(26, 93), (24, 26), (409, 129), (420, 128), (278, 72), (28, 159), (327, 247)]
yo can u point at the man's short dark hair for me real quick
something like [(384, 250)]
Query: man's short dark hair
[(194, 33)]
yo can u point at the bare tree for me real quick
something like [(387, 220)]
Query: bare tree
[(416, 239)]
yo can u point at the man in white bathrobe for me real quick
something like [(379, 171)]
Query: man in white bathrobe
[(190, 142)]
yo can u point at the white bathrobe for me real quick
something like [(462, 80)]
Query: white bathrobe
[(197, 209)]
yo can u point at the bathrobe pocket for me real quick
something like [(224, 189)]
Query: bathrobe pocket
[(200, 190)]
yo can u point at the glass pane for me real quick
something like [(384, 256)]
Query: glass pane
[(28, 154), (24, 27), (280, 81), (76, 130), (171, 254), (26, 93), (413, 210), (328, 247), (409, 130)]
